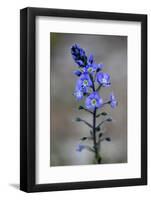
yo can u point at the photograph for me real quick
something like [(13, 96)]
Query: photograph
[(83, 84), (88, 99)]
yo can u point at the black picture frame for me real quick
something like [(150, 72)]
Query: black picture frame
[(28, 98)]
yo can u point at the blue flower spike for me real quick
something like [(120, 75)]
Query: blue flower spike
[(78, 54), (90, 79)]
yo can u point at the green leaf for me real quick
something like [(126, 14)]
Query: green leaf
[(98, 115), (108, 139), (109, 119), (98, 128), (100, 135), (86, 138), (81, 107), (78, 119), (103, 114)]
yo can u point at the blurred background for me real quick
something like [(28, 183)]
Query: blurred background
[(65, 133)]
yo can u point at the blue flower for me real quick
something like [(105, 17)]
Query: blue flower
[(82, 85), (80, 147), (79, 55), (113, 101), (103, 79), (93, 101), (78, 94), (92, 66), (84, 82), (89, 69)]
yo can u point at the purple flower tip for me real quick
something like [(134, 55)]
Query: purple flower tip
[(77, 72)]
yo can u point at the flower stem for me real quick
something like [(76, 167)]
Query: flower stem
[(97, 156)]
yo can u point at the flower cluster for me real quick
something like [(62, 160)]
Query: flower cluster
[(89, 75), (90, 78)]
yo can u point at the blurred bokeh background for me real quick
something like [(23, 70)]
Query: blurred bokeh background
[(65, 132)]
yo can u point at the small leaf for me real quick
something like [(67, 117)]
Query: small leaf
[(108, 139), (109, 120), (84, 138), (78, 119), (103, 113), (98, 115), (100, 135), (81, 107), (97, 128)]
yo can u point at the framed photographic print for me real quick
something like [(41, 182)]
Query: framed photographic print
[(83, 98)]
